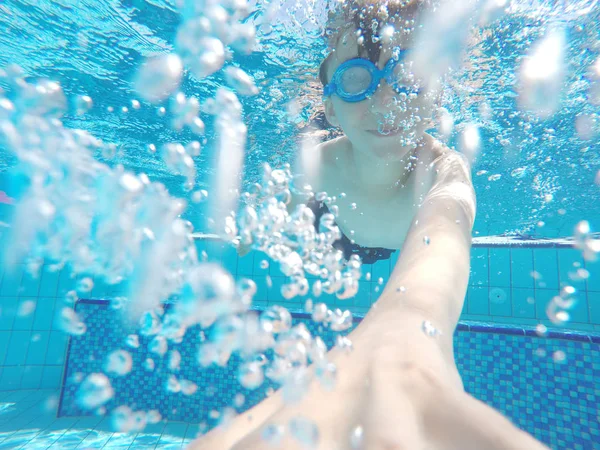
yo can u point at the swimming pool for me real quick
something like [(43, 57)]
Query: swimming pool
[(534, 178)]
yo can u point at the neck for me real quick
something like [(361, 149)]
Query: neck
[(379, 174)]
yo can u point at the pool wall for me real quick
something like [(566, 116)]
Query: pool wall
[(32, 349), (512, 368)]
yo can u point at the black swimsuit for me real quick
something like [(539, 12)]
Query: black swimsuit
[(368, 254)]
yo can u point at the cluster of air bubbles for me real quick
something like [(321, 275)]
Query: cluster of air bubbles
[(177, 159), (585, 241), (208, 27), (94, 391), (184, 113), (101, 220), (293, 241), (200, 45), (558, 307), (70, 322)]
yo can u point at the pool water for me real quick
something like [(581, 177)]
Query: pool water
[(523, 98)]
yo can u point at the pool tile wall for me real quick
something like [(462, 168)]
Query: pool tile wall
[(544, 385), (501, 289)]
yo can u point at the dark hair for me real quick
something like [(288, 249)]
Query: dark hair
[(369, 20)]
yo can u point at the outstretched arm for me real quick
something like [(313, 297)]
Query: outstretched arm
[(432, 273)]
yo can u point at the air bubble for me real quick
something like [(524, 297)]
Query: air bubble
[(251, 375), (357, 438), (340, 321), (429, 329), (69, 322), (240, 81), (85, 285), (94, 392), (158, 346), (159, 77), (273, 434), (118, 363), (319, 313), (276, 319), (132, 341), (83, 104)]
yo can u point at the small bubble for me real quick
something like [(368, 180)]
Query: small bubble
[(85, 285), (69, 322), (159, 77), (173, 384), (559, 356), (353, 206), (540, 353), (239, 400), (426, 240), (276, 319), (188, 387), (251, 375), (135, 104), (240, 81), (149, 364), (344, 343), (308, 306), (429, 329), (158, 346), (132, 341), (94, 392), (273, 434), (26, 308), (83, 104), (357, 438), (153, 416), (118, 363), (161, 111), (340, 321), (319, 313), (541, 330), (264, 264), (174, 360), (200, 196)]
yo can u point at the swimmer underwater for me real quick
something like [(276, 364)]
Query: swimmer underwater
[(400, 385)]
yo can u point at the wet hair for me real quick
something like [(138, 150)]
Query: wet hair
[(368, 20)]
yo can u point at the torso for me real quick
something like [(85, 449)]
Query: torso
[(376, 213)]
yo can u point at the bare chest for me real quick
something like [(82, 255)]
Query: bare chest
[(375, 220)]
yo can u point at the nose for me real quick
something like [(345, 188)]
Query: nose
[(384, 98)]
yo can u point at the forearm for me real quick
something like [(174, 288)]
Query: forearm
[(434, 263)]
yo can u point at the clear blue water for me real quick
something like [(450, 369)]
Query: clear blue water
[(533, 177), (95, 48)]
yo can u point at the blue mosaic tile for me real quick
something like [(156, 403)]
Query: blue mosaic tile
[(509, 368)]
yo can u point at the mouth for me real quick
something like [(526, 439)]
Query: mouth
[(385, 133)]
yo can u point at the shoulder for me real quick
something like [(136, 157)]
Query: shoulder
[(334, 150), (444, 160)]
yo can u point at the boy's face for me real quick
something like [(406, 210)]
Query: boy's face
[(386, 124)]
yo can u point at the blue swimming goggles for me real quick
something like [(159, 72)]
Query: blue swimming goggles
[(358, 78)]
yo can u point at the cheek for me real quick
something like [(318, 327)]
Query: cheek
[(351, 114)]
